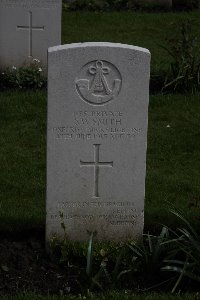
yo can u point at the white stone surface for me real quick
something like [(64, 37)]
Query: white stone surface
[(27, 29), (96, 140)]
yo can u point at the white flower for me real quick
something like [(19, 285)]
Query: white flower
[(14, 68), (36, 60), (168, 126), (40, 69), (2, 73)]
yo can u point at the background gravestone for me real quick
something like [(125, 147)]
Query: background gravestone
[(97, 135), (27, 29)]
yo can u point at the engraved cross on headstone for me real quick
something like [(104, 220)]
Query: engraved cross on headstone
[(30, 27), (96, 164)]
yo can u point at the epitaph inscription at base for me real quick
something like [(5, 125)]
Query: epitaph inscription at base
[(97, 137)]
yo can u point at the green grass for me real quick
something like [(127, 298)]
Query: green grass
[(22, 157), (173, 157), (149, 30), (109, 296), (173, 160)]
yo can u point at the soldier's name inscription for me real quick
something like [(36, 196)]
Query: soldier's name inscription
[(89, 125)]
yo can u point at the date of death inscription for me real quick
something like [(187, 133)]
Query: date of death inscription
[(91, 125)]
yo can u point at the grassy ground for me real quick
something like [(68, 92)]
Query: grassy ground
[(149, 30), (22, 156), (110, 296), (173, 160)]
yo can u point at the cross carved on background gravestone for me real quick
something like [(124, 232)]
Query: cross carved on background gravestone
[(96, 164), (27, 29), (30, 27)]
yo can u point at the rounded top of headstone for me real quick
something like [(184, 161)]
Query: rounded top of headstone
[(98, 44)]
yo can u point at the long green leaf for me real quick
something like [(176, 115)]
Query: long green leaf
[(180, 216), (150, 243), (96, 282), (174, 261), (89, 254), (122, 273), (107, 274), (136, 250), (117, 264)]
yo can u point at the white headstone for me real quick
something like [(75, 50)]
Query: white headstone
[(97, 137), (27, 29)]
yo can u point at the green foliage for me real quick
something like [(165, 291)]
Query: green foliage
[(90, 254), (97, 5), (114, 265), (26, 77), (99, 264), (185, 257), (185, 4), (149, 255), (184, 72), (108, 5)]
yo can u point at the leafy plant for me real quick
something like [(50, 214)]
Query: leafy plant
[(185, 4), (185, 259), (108, 5), (151, 252), (184, 72), (26, 77), (113, 266), (122, 265)]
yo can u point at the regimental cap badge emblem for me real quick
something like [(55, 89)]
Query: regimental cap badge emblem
[(101, 84)]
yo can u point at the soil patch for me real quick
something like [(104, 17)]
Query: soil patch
[(26, 267)]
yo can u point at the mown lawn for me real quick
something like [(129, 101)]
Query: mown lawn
[(22, 157), (173, 159), (149, 30)]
